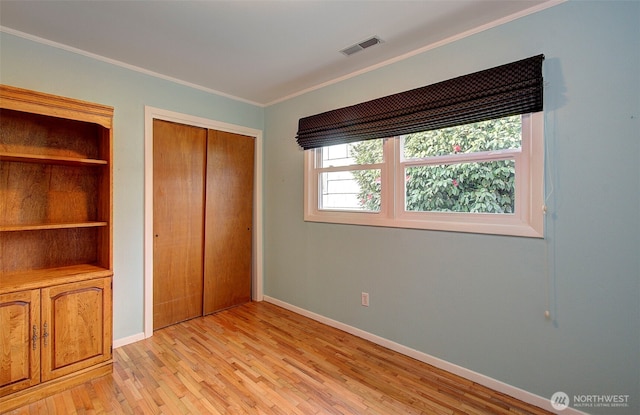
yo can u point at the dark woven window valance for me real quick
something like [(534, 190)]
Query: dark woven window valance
[(511, 89)]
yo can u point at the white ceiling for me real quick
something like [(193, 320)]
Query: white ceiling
[(257, 51)]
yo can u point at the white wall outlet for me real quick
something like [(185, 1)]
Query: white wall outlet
[(365, 299)]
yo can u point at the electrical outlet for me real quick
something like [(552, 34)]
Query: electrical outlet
[(365, 299)]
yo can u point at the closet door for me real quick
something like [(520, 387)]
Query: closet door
[(228, 220), (179, 156)]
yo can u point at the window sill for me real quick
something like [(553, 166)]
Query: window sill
[(510, 225)]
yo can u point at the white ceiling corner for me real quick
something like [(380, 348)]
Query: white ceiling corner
[(258, 51)]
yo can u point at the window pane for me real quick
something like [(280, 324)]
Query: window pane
[(350, 190), (362, 152), (485, 187), (499, 134)]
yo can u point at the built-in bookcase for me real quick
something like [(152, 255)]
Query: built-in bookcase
[(56, 263), (55, 185)]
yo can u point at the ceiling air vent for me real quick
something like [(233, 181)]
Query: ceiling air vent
[(361, 46)]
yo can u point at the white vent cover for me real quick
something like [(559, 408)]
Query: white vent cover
[(361, 46)]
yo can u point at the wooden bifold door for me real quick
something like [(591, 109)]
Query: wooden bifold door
[(203, 221)]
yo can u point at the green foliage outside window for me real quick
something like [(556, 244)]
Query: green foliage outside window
[(477, 187)]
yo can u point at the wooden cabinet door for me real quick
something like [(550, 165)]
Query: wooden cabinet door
[(19, 348), (228, 220), (76, 326)]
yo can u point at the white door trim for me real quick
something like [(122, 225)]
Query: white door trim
[(151, 113)]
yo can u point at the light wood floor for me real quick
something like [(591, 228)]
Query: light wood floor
[(261, 359)]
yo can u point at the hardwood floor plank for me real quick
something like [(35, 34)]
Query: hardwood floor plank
[(261, 359)]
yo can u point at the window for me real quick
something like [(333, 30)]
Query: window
[(482, 177), (349, 176), (464, 154)]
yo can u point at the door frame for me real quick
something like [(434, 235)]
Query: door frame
[(151, 113)]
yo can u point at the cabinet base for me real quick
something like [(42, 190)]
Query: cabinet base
[(41, 391)]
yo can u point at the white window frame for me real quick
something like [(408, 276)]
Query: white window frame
[(527, 220)]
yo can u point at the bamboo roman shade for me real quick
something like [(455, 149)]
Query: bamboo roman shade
[(511, 89)]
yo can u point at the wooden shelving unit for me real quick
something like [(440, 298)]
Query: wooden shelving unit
[(56, 236)]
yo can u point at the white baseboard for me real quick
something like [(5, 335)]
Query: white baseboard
[(481, 379), (128, 340)]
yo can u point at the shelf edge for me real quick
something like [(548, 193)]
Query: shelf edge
[(49, 226), (45, 159), (40, 278)]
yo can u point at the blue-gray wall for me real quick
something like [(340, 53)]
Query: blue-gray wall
[(35, 66), (478, 301)]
